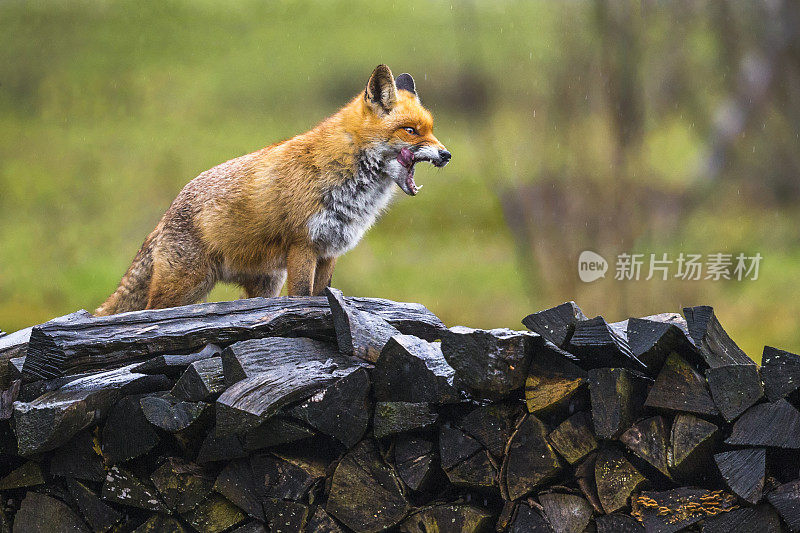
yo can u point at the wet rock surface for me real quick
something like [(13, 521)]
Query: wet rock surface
[(339, 414)]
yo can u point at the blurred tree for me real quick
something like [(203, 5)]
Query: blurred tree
[(764, 85), (622, 197)]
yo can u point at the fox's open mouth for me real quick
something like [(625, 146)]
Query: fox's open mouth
[(408, 159)]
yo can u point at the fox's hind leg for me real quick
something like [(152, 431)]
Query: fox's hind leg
[(266, 285), (172, 286)]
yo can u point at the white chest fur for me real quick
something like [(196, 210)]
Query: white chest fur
[(350, 209)]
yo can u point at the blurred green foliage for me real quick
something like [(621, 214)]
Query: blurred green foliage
[(109, 108)]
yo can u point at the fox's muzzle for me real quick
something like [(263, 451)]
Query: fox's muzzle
[(443, 159), (438, 157)]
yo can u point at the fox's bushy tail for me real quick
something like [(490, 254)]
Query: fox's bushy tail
[(132, 293)]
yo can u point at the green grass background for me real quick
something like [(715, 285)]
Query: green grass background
[(108, 108)]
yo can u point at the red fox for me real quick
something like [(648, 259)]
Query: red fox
[(292, 207)]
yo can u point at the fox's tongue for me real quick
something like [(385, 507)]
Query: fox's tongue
[(406, 158)]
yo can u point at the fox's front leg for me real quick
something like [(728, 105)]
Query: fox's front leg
[(301, 266), (324, 273)]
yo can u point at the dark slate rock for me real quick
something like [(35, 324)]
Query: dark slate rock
[(411, 369), (744, 472), (399, 417), (220, 448), (248, 403), (171, 414), (775, 424), (124, 488), (214, 515), (530, 460), (365, 494), (51, 420), (80, 458), (100, 516), (27, 475), (597, 343), (735, 388), (249, 358), (415, 461), (44, 513), (201, 381), (341, 410), (491, 363), (358, 333), (127, 434), (555, 324), (182, 485), (781, 372), (679, 387), (653, 338), (80, 343), (174, 365), (274, 432), (716, 347), (786, 500), (449, 517)]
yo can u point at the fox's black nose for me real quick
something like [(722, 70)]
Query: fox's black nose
[(444, 157)]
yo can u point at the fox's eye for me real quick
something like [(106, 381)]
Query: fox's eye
[(410, 130)]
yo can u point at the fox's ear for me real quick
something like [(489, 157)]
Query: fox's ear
[(381, 94), (406, 82)]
